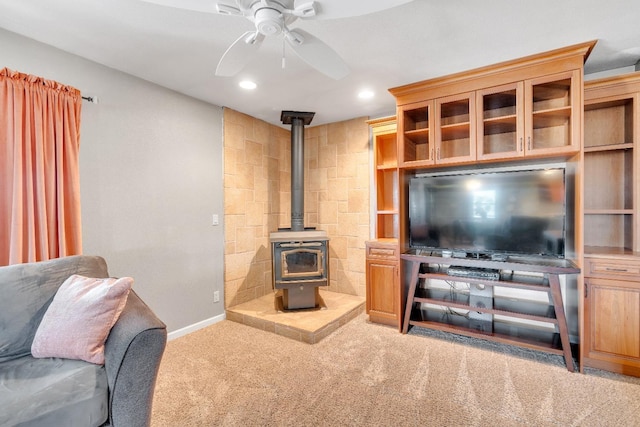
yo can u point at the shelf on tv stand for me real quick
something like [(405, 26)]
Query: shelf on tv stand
[(430, 267)]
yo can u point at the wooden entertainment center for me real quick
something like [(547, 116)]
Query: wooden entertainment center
[(530, 111)]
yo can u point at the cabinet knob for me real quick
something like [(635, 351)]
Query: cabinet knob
[(528, 143)]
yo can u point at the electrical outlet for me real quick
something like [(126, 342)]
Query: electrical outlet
[(216, 296)]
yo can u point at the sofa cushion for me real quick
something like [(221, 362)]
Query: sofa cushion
[(52, 392), (78, 320), (27, 290)]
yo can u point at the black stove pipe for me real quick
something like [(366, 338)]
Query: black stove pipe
[(297, 120), (297, 175)]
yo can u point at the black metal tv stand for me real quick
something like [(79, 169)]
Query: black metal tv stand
[(429, 307)]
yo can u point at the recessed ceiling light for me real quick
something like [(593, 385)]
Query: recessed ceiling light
[(365, 94), (247, 84)]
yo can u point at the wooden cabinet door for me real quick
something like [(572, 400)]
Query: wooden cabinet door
[(382, 294), (455, 129), (552, 114), (500, 122), (612, 317)]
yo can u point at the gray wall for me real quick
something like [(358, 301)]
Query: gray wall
[(151, 178)]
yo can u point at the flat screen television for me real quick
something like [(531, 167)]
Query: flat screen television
[(482, 213)]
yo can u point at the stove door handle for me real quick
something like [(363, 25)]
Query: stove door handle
[(300, 244)]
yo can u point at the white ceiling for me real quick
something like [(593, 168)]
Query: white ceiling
[(422, 39)]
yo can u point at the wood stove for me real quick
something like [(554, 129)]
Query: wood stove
[(300, 266), (300, 255)]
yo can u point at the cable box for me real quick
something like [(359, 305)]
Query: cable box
[(474, 272)]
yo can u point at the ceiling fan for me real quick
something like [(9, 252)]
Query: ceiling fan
[(273, 17)]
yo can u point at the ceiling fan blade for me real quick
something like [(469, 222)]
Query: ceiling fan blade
[(332, 9), (239, 54), (197, 5), (317, 54), (326, 9)]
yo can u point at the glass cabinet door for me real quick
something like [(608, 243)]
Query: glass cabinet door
[(552, 110), (500, 121), (414, 127), (455, 131)]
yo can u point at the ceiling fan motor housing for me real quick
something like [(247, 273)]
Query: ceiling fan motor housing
[(269, 21)]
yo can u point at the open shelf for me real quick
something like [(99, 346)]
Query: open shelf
[(387, 190), (386, 151), (608, 211), (610, 230), (608, 124), (506, 333), (509, 278), (609, 251), (475, 309), (609, 181), (612, 147), (497, 305), (387, 224), (385, 145), (609, 174)]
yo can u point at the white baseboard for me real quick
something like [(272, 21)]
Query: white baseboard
[(192, 328)]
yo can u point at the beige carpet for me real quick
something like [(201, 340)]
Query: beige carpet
[(365, 374)]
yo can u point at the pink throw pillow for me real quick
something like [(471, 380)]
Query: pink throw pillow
[(80, 317)]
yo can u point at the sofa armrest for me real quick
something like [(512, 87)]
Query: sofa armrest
[(133, 352)]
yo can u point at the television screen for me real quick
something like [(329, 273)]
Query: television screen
[(505, 212)]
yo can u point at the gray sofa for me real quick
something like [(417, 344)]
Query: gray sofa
[(65, 392)]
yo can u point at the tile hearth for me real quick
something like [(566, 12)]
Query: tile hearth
[(306, 325)]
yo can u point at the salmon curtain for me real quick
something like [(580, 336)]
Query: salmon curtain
[(39, 170)]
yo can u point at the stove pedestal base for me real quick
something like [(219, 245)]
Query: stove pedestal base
[(302, 296)]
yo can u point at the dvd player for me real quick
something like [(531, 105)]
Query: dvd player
[(474, 272)]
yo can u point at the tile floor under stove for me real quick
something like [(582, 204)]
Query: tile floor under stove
[(308, 325)]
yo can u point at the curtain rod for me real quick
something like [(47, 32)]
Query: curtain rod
[(91, 99)]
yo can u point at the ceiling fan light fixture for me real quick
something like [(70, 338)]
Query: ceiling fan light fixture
[(251, 38), (305, 10), (294, 37)]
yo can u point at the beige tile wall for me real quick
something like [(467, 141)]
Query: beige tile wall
[(257, 175)]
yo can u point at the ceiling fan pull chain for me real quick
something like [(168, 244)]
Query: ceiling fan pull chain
[(283, 58)]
